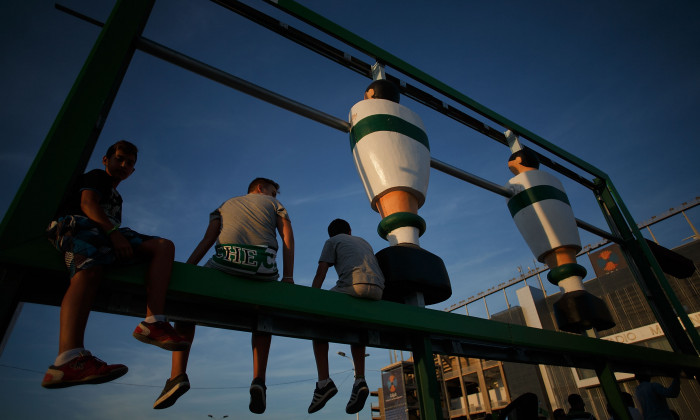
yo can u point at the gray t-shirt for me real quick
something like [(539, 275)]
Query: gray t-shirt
[(247, 243), (250, 220), (353, 259)]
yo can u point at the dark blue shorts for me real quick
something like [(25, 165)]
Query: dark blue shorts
[(85, 245)]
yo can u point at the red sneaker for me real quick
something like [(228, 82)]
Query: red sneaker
[(84, 369), (161, 334)]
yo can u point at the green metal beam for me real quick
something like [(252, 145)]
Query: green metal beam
[(68, 145), (647, 272), (608, 383), (656, 268), (426, 379), (314, 19), (376, 324)]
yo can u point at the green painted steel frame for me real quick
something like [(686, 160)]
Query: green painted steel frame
[(71, 140), (662, 299), (426, 378), (449, 333), (606, 375)]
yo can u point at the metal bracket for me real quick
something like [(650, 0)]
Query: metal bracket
[(378, 71), (513, 141)]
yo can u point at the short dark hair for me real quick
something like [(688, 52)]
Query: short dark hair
[(559, 413), (384, 89), (627, 399), (124, 146), (337, 227), (527, 156), (262, 181), (575, 401), (642, 377)]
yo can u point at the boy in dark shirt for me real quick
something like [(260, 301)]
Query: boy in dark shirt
[(359, 275), (87, 230)]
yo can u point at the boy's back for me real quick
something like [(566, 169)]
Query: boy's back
[(250, 219), (353, 259)]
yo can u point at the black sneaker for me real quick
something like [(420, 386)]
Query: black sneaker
[(359, 394), (322, 395), (174, 388), (257, 396)]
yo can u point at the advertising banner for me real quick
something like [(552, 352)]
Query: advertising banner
[(607, 260), (394, 394)]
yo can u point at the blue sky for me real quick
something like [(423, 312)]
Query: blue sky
[(613, 83)]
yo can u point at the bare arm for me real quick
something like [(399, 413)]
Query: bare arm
[(90, 205), (320, 274), (672, 391), (209, 238), (284, 226)]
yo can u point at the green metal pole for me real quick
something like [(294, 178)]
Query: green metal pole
[(648, 273), (663, 281), (612, 392), (68, 145), (426, 379)]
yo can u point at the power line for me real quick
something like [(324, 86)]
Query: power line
[(203, 388)]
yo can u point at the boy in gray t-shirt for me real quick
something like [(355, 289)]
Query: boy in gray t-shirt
[(359, 275), (244, 231)]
